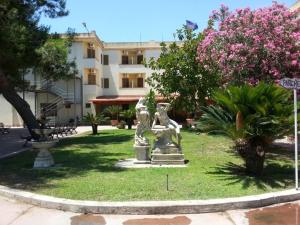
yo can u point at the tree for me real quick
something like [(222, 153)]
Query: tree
[(151, 103), (129, 115), (94, 121), (252, 45), (23, 46), (177, 75), (252, 117)]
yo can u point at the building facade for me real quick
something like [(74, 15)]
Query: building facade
[(108, 74)]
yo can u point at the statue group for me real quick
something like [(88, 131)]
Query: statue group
[(167, 146)]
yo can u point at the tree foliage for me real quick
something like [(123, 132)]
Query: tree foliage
[(252, 45), (177, 75), (262, 112), (25, 44)]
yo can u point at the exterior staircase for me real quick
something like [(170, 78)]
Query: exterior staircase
[(62, 98)]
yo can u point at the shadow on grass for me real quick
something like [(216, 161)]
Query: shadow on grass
[(278, 171), (103, 138), (17, 172), (274, 176)]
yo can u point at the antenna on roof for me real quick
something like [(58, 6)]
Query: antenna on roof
[(140, 37), (84, 25)]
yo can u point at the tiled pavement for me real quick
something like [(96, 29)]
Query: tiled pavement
[(17, 213)]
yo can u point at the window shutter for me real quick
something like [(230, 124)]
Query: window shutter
[(125, 59), (125, 83), (140, 82), (139, 59)]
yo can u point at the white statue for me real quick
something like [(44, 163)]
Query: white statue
[(168, 128), (143, 118)]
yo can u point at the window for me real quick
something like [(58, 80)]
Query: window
[(91, 53), (88, 105), (101, 58), (125, 59), (139, 59), (68, 106), (105, 83), (106, 60), (92, 79)]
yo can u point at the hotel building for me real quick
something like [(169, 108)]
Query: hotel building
[(108, 74)]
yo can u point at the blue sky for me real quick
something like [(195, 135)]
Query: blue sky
[(132, 20)]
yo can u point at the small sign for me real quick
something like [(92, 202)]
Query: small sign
[(290, 83)]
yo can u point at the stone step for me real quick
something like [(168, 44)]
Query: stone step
[(167, 162), (156, 156)]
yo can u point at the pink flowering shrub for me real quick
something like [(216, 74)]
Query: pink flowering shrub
[(252, 45)]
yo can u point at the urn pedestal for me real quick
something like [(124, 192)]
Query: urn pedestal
[(141, 154), (44, 158)]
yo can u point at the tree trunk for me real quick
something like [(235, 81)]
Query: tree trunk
[(254, 157), (22, 107), (95, 128)]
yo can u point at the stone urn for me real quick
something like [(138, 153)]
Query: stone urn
[(44, 158)]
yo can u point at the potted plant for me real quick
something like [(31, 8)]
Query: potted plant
[(94, 121), (129, 116), (121, 125), (113, 111)]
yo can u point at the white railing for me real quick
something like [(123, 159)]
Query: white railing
[(59, 102)]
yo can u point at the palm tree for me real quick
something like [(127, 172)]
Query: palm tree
[(252, 117), (113, 111), (129, 116), (94, 120)]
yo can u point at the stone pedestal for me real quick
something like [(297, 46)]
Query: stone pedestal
[(165, 151), (44, 158), (141, 154), (167, 159)]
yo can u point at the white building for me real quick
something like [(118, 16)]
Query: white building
[(109, 74)]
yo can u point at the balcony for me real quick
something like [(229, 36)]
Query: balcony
[(132, 80), (90, 63)]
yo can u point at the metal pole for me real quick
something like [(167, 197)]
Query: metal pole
[(167, 182), (296, 138), (74, 92)]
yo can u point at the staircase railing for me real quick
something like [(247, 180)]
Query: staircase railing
[(63, 97)]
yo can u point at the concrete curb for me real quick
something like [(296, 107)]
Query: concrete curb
[(151, 207), (15, 153)]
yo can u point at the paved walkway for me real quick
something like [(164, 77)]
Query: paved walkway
[(12, 143), (17, 213)]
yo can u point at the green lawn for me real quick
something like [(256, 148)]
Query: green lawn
[(85, 171)]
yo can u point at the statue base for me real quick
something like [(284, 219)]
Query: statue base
[(167, 159), (142, 154)]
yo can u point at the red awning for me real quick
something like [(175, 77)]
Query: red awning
[(118, 100)]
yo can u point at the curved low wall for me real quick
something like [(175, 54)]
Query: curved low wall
[(151, 207)]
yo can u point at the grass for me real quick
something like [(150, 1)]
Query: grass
[(86, 170)]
